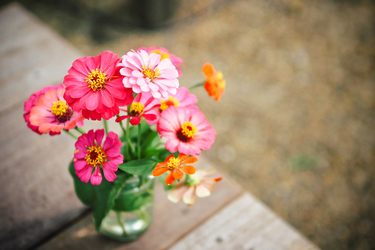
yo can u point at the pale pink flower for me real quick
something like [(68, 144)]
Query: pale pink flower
[(51, 114), (181, 99), (94, 85), (91, 155), (197, 185), (187, 130), (176, 61), (148, 73), (144, 105)]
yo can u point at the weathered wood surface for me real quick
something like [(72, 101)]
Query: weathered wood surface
[(171, 221), (246, 223), (37, 195)]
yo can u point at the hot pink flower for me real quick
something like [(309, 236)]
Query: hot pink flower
[(94, 86), (51, 113), (187, 130), (181, 99), (148, 73), (31, 103), (90, 154), (197, 185), (144, 105), (176, 61)]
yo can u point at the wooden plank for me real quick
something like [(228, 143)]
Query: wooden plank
[(32, 56), (37, 194), (171, 221), (246, 223)]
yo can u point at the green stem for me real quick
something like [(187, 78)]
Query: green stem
[(80, 130), (139, 141), (71, 134), (122, 127), (105, 126), (197, 85), (121, 222), (128, 143)]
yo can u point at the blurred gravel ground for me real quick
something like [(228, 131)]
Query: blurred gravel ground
[(296, 124)]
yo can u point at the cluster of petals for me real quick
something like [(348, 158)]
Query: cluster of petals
[(186, 129), (215, 84), (94, 85), (181, 99), (145, 72), (48, 112), (176, 166), (144, 105), (176, 61), (199, 185), (91, 154), (31, 103)]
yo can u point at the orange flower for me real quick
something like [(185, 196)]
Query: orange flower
[(215, 84), (175, 165)]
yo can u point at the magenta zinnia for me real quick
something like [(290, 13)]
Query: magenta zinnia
[(148, 73), (94, 86), (50, 113), (91, 155), (187, 130), (144, 105)]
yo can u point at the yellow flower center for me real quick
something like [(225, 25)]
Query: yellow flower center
[(173, 163), (96, 80), (95, 156), (219, 80), (59, 108), (188, 130), (137, 109), (169, 103), (148, 72), (162, 53)]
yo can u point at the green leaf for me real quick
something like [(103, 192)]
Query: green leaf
[(101, 197), (133, 130), (165, 153), (152, 152), (101, 203), (149, 140), (84, 191), (139, 167), (105, 195), (133, 201)]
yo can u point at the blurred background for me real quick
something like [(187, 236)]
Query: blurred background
[(296, 124)]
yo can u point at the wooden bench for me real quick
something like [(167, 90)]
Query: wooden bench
[(38, 205)]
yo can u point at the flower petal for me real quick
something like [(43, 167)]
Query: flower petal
[(188, 169), (159, 171)]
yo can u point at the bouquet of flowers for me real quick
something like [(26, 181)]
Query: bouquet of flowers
[(163, 133)]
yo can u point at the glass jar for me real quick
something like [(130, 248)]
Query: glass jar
[(133, 211)]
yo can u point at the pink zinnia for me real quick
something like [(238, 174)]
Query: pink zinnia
[(187, 130), (144, 105), (51, 113), (90, 154), (31, 103), (148, 73), (94, 86), (176, 61), (181, 99)]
